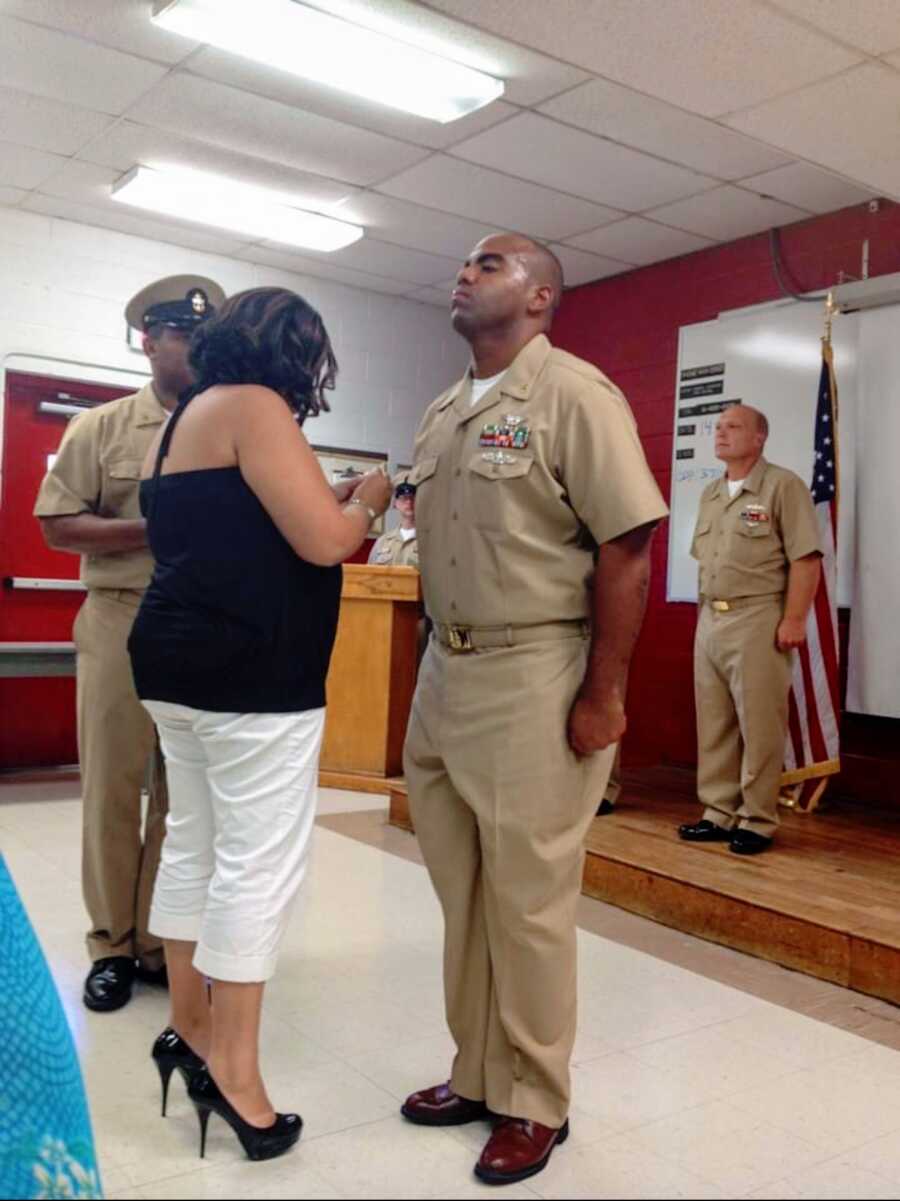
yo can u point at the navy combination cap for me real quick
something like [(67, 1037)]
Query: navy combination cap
[(178, 302)]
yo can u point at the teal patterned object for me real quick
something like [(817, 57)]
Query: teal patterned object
[(46, 1145)]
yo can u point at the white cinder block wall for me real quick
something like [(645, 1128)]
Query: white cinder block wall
[(63, 288)]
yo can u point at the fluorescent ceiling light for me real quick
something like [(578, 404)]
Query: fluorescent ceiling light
[(293, 37), (215, 200)]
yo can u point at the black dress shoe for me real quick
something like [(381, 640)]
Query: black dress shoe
[(748, 842), (152, 975), (605, 807), (704, 831), (108, 984)]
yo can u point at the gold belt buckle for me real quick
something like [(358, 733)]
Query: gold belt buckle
[(720, 606), (460, 639)]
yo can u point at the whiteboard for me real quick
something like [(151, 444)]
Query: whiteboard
[(768, 357)]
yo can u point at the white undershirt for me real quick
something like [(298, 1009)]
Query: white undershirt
[(734, 487), (406, 535), (480, 386)]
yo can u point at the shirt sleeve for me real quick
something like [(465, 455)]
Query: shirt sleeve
[(73, 483), (602, 464), (799, 525)]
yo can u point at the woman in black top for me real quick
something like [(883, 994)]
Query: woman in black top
[(230, 650)]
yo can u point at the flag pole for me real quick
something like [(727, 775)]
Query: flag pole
[(802, 787), (832, 308)]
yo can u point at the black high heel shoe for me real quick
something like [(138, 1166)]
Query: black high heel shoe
[(259, 1142), (170, 1051)]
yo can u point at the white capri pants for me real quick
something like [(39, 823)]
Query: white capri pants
[(242, 801)]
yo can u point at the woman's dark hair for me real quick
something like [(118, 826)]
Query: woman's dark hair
[(267, 336)]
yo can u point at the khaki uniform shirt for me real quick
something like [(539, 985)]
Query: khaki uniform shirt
[(514, 494), (98, 470), (391, 550), (745, 545)]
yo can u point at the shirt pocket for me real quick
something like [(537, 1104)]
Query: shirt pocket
[(422, 476), (121, 489), (701, 537), (498, 490), (754, 544)]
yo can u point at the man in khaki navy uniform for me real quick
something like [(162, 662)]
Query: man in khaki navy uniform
[(523, 469), (399, 547), (757, 543), (88, 504)]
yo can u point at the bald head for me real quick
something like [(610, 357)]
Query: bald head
[(741, 433), (760, 420), (507, 280), (543, 267)]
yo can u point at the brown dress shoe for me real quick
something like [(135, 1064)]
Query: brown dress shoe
[(441, 1106), (518, 1149)]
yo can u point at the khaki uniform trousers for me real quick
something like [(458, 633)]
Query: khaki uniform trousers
[(741, 684), (116, 743), (501, 807)]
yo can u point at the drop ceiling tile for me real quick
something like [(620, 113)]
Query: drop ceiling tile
[(626, 116), (212, 112), (255, 77), (636, 240), (11, 196), (394, 262), (404, 224), (483, 195), (47, 63), (872, 25), (808, 187), (439, 297), (727, 213), (85, 183), (285, 260), (535, 148), (130, 221), (530, 77), (47, 124), (708, 56), (582, 268), (22, 167), (122, 24), (842, 124), (127, 144)]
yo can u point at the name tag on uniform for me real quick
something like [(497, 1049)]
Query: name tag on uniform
[(753, 515), (512, 432)]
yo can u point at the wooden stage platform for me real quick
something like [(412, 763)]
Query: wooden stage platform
[(825, 900)]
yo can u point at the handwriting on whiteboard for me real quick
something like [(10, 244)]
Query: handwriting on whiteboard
[(697, 473)]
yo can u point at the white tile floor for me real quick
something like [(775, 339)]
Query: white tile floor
[(683, 1087)]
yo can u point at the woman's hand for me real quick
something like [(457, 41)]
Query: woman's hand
[(375, 490), (345, 489)]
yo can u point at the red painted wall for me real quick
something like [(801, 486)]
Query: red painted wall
[(37, 714), (628, 326)]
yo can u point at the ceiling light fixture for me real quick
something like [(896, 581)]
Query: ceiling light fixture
[(296, 38), (215, 200)]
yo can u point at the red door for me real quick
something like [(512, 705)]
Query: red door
[(37, 713)]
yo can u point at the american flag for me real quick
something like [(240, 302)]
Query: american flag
[(813, 742)]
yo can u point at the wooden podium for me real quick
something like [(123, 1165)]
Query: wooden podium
[(371, 679)]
